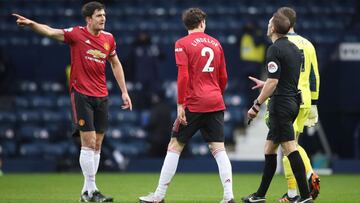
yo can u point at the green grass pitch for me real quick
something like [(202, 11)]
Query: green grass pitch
[(185, 187)]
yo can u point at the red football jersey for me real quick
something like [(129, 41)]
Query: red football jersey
[(88, 60), (204, 59)]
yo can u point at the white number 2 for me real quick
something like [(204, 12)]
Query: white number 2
[(207, 68)]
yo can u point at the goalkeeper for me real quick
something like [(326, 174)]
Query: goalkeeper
[(309, 81)]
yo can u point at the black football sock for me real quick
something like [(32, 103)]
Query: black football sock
[(298, 169), (268, 174)]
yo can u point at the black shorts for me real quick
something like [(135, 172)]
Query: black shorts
[(211, 126), (282, 114), (89, 113)]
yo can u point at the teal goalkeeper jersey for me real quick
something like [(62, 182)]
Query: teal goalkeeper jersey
[(309, 79)]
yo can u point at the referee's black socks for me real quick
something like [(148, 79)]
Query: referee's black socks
[(298, 169), (268, 174)]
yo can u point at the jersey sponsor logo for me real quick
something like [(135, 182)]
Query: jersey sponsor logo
[(178, 49), (87, 42), (96, 53), (106, 46), (272, 67), (68, 29)]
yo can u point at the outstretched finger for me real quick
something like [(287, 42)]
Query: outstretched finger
[(18, 16), (253, 79)]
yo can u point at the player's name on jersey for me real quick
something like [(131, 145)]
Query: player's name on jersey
[(196, 41)]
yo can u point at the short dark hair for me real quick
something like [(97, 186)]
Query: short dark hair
[(281, 23), (289, 13), (89, 8), (192, 17)]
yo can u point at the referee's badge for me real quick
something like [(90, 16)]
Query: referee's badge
[(272, 67)]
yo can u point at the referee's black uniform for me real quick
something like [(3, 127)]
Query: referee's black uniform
[(284, 61)]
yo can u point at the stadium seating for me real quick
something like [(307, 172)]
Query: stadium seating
[(39, 123)]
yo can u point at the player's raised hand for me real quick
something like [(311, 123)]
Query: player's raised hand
[(127, 101), (259, 83), (21, 20)]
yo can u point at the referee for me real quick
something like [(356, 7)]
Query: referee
[(284, 61)]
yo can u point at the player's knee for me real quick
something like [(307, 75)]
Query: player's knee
[(88, 140), (213, 146), (175, 145), (270, 148), (98, 147), (90, 144), (289, 147)]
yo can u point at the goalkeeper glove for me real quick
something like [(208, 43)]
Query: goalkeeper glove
[(313, 117)]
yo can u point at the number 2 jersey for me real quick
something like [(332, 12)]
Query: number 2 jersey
[(200, 59)]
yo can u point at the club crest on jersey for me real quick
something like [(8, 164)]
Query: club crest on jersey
[(96, 53), (272, 67), (106, 46)]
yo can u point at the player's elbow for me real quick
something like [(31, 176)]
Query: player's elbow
[(272, 82), (56, 34)]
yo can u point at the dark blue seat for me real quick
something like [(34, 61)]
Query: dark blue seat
[(29, 116), (7, 117), (132, 149), (234, 100), (41, 102), (8, 148), (49, 87), (63, 101), (31, 149), (234, 115), (7, 132), (30, 133), (22, 102), (126, 133), (119, 116), (57, 149), (52, 116), (199, 149)]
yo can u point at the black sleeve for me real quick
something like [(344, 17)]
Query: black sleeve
[(273, 67)]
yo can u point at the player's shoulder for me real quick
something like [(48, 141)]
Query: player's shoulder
[(183, 40), (212, 38), (273, 48), (303, 39), (73, 29), (106, 33)]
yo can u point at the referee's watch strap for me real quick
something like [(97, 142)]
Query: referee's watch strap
[(256, 106), (254, 109)]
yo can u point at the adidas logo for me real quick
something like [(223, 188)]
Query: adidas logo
[(87, 42)]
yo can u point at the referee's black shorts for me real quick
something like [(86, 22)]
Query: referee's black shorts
[(282, 114), (89, 113), (210, 124)]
